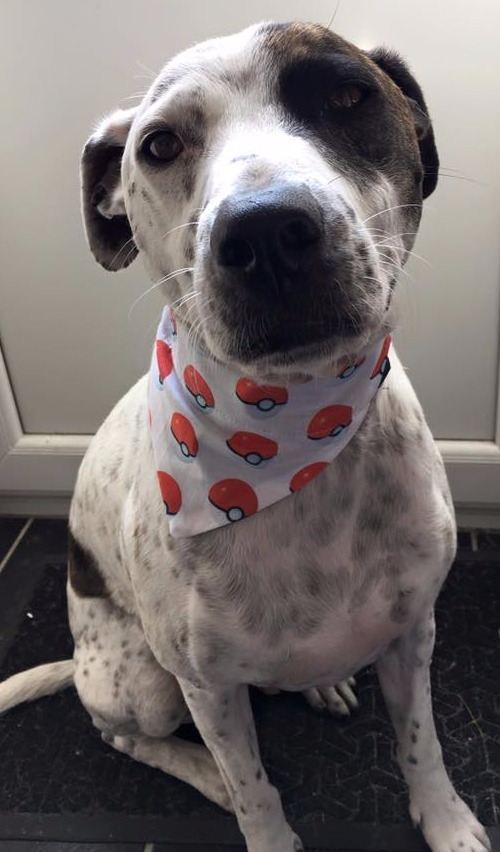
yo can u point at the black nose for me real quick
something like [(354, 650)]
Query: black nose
[(267, 236)]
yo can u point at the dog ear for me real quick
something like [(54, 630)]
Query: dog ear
[(392, 64), (107, 227)]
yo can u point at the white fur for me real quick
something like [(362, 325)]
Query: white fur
[(187, 626), (35, 683)]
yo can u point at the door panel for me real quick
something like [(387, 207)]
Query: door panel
[(69, 344)]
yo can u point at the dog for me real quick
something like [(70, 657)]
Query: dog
[(273, 183)]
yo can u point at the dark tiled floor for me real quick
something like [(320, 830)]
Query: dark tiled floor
[(340, 786), (9, 530), (56, 846)]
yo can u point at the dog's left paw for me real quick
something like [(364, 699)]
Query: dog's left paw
[(449, 825), (339, 700)]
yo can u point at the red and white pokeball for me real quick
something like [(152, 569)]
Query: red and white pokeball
[(234, 497), (305, 475), (263, 397), (164, 360), (383, 364), (348, 369), (173, 321), (184, 434), (197, 386), (329, 422), (170, 492), (253, 448)]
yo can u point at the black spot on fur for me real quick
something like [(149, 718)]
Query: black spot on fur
[(84, 575), (188, 181)]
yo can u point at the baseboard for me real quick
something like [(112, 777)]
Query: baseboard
[(37, 477), (35, 506), (478, 517)]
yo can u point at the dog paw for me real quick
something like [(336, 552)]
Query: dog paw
[(449, 826), (124, 744), (339, 700), (277, 845)]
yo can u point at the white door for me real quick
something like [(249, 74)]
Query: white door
[(72, 339)]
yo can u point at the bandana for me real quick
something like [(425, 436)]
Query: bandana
[(226, 445)]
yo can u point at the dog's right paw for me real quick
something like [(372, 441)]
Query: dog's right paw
[(449, 825), (339, 700)]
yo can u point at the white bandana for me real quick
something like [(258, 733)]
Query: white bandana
[(227, 445)]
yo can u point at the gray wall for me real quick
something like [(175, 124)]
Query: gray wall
[(71, 346)]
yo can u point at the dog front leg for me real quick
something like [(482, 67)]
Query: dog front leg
[(446, 821), (224, 719)]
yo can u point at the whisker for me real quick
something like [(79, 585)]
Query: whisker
[(398, 269), (337, 177), (116, 256), (406, 251), (149, 71), (388, 236), (185, 299), (463, 177), (157, 284), (176, 228), (388, 210), (137, 95), (334, 15), (175, 303)]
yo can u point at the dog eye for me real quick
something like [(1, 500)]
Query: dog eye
[(162, 146), (347, 96)]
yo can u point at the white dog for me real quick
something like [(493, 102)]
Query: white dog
[(274, 180)]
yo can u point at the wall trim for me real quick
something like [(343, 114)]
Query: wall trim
[(37, 472), (11, 428), (37, 475)]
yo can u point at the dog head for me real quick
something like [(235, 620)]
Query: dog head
[(277, 176)]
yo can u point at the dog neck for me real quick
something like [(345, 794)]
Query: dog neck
[(226, 445)]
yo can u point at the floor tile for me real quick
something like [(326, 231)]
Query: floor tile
[(56, 846), (9, 529), (55, 766)]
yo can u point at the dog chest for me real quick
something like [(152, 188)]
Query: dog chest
[(315, 617)]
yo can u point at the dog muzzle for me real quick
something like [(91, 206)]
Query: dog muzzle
[(226, 445)]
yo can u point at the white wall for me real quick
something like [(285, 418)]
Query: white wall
[(70, 348)]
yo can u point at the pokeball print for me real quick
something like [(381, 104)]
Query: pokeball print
[(198, 388), (305, 475), (234, 497), (170, 492), (253, 448), (263, 397), (383, 364), (164, 360), (329, 422), (184, 434)]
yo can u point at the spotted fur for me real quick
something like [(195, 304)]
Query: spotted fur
[(341, 574)]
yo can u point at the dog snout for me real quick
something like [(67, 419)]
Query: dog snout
[(267, 237)]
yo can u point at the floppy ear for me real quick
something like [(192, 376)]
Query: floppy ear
[(107, 227), (390, 62)]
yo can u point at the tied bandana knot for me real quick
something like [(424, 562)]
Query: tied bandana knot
[(227, 445)]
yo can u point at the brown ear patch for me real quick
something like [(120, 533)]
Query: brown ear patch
[(84, 576), (110, 239)]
